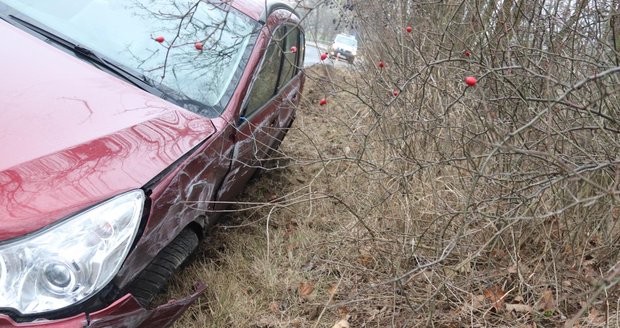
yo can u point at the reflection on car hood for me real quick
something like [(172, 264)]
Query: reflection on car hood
[(72, 135)]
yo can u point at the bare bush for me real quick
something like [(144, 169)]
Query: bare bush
[(424, 201), (516, 176)]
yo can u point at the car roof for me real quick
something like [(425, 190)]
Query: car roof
[(260, 9)]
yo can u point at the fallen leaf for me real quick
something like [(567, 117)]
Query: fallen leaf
[(498, 253), (290, 230), (365, 260), (306, 289), (332, 290), (477, 301), (297, 323), (343, 311), (292, 246), (274, 307), (591, 275), (595, 316), (496, 295), (521, 308), (547, 303), (344, 323)]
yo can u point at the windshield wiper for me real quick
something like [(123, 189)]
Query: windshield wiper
[(118, 69), (136, 79)]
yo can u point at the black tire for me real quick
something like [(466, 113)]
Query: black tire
[(155, 276)]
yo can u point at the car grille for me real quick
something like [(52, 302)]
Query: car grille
[(344, 52)]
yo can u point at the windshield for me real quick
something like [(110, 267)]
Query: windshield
[(197, 64), (351, 42)]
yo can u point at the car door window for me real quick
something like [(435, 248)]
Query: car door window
[(302, 53), (289, 65), (264, 87)]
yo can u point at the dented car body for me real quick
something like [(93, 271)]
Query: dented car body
[(120, 147)]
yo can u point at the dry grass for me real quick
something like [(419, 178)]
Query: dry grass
[(446, 205), (338, 235)]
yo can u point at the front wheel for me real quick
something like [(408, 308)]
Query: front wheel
[(156, 275)]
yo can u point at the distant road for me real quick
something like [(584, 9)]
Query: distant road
[(313, 54)]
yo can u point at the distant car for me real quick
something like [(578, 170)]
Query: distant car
[(126, 125), (344, 46)]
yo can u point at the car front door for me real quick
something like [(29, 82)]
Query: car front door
[(258, 125)]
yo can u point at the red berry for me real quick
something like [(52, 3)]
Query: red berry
[(160, 39), (471, 81), (409, 29), (198, 46), (294, 49), (467, 53), (323, 102), (381, 64), (395, 93), (324, 56)]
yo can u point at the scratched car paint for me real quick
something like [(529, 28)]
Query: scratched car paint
[(114, 147)]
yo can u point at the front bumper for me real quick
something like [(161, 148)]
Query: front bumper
[(342, 53), (125, 313)]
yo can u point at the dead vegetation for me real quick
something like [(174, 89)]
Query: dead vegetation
[(441, 204), (328, 236)]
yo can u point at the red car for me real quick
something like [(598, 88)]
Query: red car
[(125, 126)]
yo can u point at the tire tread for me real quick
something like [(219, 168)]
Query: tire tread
[(155, 276)]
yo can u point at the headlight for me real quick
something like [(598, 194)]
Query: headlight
[(71, 261), (354, 52)]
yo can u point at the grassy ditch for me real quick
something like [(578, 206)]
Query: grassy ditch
[(340, 229)]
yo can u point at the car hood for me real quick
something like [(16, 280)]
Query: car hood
[(72, 136)]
